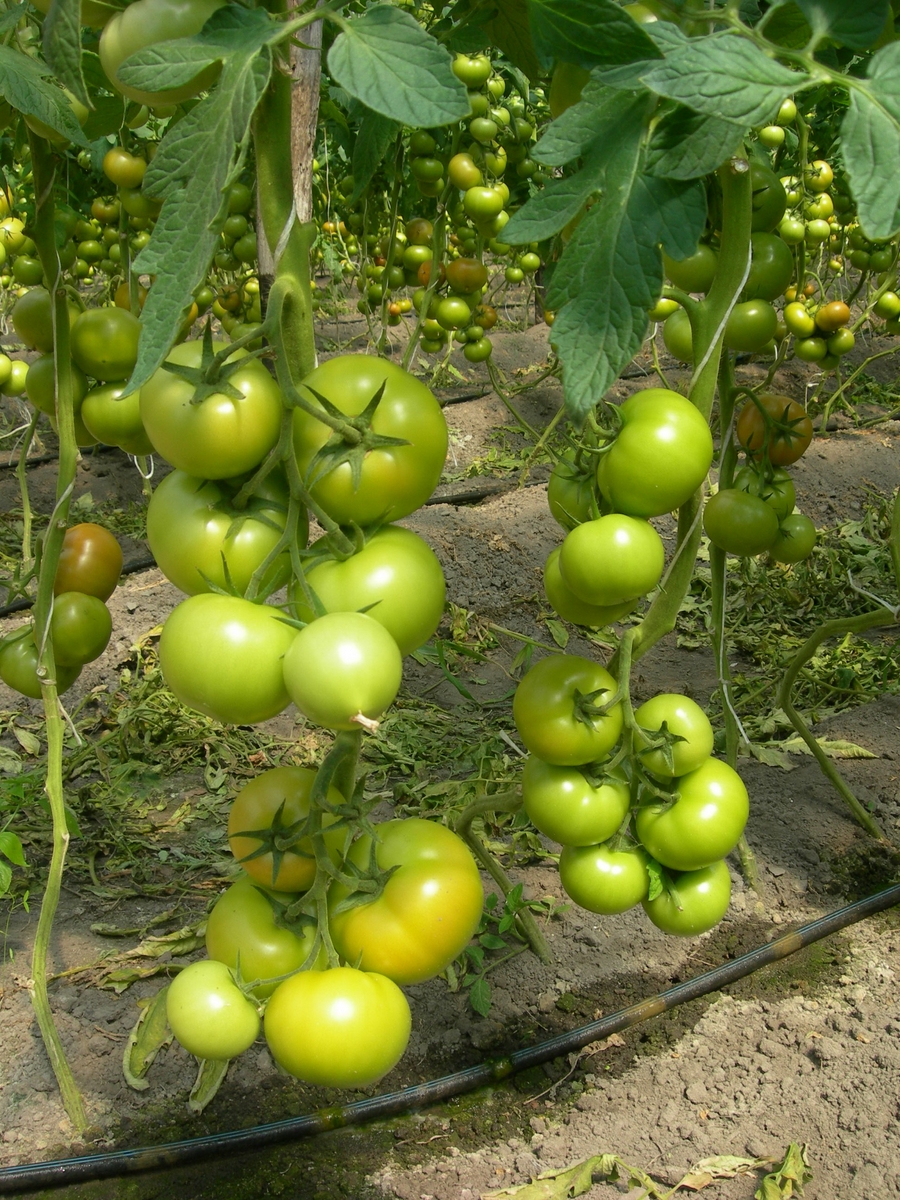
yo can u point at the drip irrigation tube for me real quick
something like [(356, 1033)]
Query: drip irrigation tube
[(192, 1150)]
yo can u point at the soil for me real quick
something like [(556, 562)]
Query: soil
[(805, 1052)]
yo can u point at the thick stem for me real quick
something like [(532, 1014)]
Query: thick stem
[(43, 165)]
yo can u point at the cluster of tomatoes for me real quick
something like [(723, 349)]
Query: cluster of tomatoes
[(88, 570), (648, 825)]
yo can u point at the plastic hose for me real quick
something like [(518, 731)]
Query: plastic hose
[(178, 1154)]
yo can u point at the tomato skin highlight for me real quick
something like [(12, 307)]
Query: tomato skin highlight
[(703, 825), (544, 710), (338, 1028), (428, 911)]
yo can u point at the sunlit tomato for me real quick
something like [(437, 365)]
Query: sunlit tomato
[(466, 275), (90, 561), (341, 668), (660, 457), (428, 910), (818, 176), (686, 720), (798, 319), (395, 578), (40, 385), (196, 534), (122, 168), (556, 711), (19, 665), (776, 425), (612, 559), (705, 822), (795, 540), (569, 607), (698, 902), (115, 419), (146, 22), (81, 627), (338, 1028), (739, 522), (833, 316), (223, 656), (572, 806), (208, 1013), (222, 436), (603, 880), (394, 480), (242, 931)]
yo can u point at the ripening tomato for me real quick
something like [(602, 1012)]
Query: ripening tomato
[(428, 910), (555, 709), (208, 1013), (338, 1028), (90, 561), (705, 822), (264, 810), (394, 479), (573, 806), (604, 880), (697, 901), (612, 559), (776, 426)]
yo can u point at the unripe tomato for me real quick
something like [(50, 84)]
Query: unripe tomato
[(122, 168), (795, 541), (683, 718), (701, 901), (750, 326), (472, 70), (739, 522), (81, 628), (678, 337), (702, 825), (818, 176), (571, 806), (104, 341), (569, 607), (771, 267), (554, 716), (603, 880), (612, 559), (812, 349), (798, 319), (769, 199), (206, 1010), (694, 273), (19, 666)]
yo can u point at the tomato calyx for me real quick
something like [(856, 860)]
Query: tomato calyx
[(278, 838), (366, 884), (211, 377), (352, 440), (664, 740), (587, 710)]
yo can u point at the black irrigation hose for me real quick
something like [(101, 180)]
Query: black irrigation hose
[(179, 1154)]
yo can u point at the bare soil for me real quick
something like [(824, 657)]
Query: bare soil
[(805, 1052)]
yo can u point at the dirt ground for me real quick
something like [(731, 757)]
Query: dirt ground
[(805, 1052)]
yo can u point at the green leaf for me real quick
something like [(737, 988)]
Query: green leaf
[(11, 847), (387, 60), (210, 1077), (686, 145), (560, 201), (150, 1033), (870, 143), (12, 16), (856, 25), (106, 117), (508, 29), (611, 272), (5, 878), (193, 168), (559, 633), (23, 84), (480, 996), (376, 136), (587, 33), (788, 28), (725, 76), (593, 119), (62, 46)]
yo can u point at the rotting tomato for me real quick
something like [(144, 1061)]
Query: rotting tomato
[(90, 561), (555, 709), (395, 478), (572, 805), (426, 913), (338, 1028)]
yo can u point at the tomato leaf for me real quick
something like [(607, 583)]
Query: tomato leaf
[(587, 33), (870, 144), (611, 272), (387, 60), (855, 25), (725, 77), (210, 1077), (376, 136), (594, 119), (480, 996), (11, 848), (23, 84), (62, 46), (509, 30), (150, 1033), (5, 878), (191, 173), (687, 145)]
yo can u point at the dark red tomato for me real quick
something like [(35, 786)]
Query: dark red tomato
[(90, 561), (776, 426)]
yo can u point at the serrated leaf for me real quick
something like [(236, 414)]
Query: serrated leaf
[(191, 172), (62, 46), (560, 201), (610, 274), (855, 25), (870, 143), (688, 145), (480, 996), (509, 31), (210, 1076), (150, 1033), (23, 83), (727, 77), (587, 33), (593, 120), (11, 848), (376, 136), (387, 60)]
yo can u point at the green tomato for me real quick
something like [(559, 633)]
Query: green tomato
[(81, 627), (777, 489), (612, 559), (19, 666), (769, 199), (555, 709), (678, 336), (694, 273), (572, 806), (603, 880), (114, 419), (701, 901), (771, 267), (680, 716), (751, 324), (571, 493), (795, 540), (705, 822), (208, 1013), (739, 522), (569, 607)]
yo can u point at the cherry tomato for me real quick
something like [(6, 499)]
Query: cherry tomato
[(739, 522), (395, 578), (705, 822), (19, 664), (554, 709), (603, 880), (394, 480), (208, 1013), (81, 628), (222, 656), (701, 901), (342, 667), (243, 930), (221, 436), (572, 806), (612, 559), (90, 561), (660, 457), (683, 718), (428, 910), (774, 424)]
